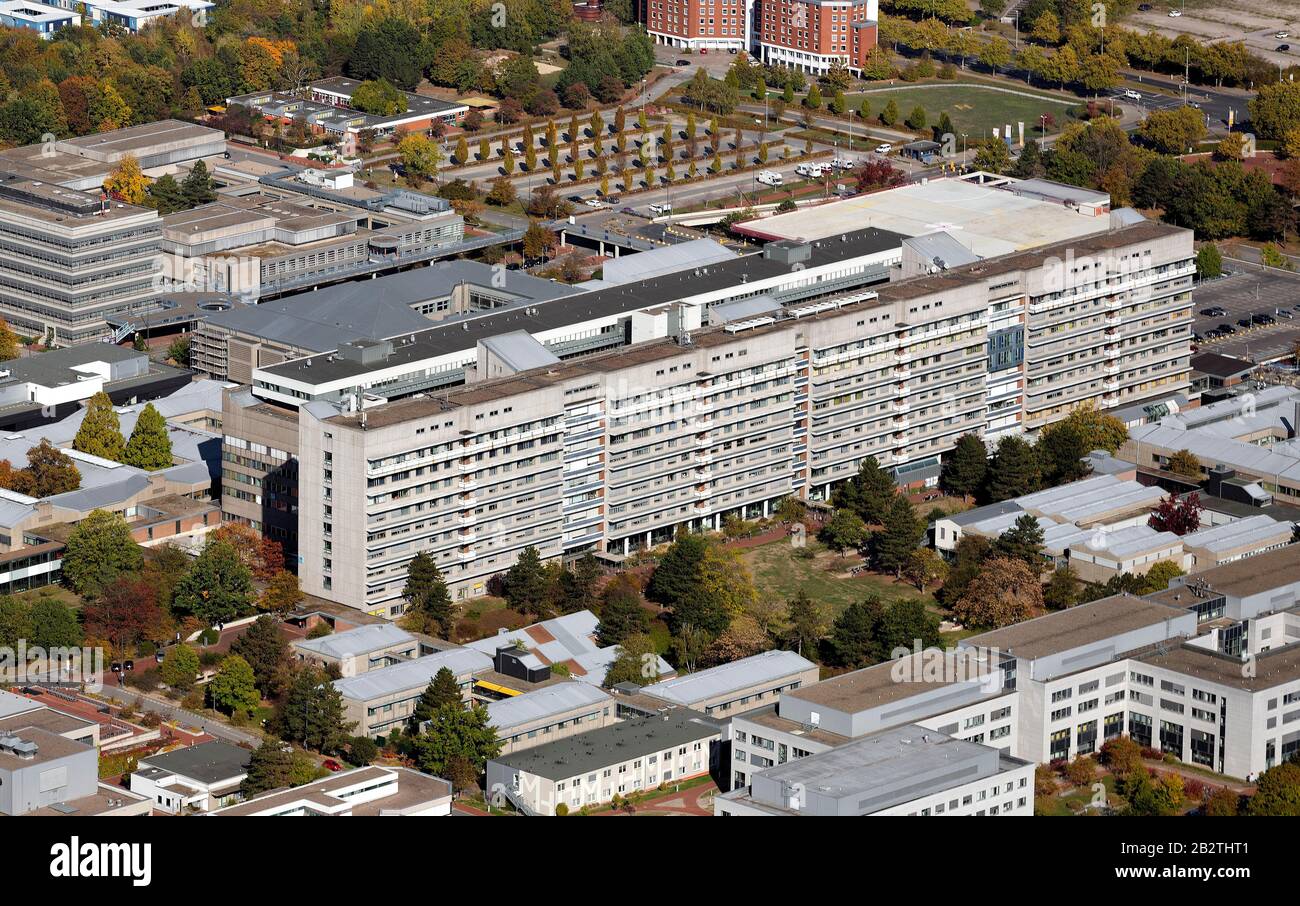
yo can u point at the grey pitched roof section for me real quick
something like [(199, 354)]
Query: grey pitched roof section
[(543, 703), (411, 674), (353, 642), (732, 677)]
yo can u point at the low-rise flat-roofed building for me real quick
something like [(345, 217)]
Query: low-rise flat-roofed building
[(364, 792), (550, 713), (359, 650), (40, 768), (907, 770), (1216, 545), (325, 108), (52, 385), (379, 700), (569, 641), (37, 17), (197, 778), (589, 769), (738, 686)]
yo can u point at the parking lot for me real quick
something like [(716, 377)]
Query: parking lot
[(1241, 294)]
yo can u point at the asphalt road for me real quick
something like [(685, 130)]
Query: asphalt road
[(169, 711)]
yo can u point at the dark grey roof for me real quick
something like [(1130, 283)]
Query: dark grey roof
[(1222, 366), (463, 334), (327, 318), (614, 744), (208, 762), (980, 513)]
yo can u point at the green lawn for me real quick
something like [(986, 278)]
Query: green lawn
[(780, 574), (1073, 802), (974, 109)]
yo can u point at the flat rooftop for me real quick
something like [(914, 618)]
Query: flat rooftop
[(208, 762), (412, 789), (1269, 669), (990, 221), (882, 766), (874, 686), (1255, 575), (413, 674), (614, 744), (464, 334), (1075, 627), (358, 641), (549, 701), (746, 673)]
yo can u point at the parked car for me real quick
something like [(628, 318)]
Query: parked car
[(1212, 334), (733, 51), (704, 51), (1282, 35), (1264, 319), (593, 202), (628, 210), (1284, 313), (665, 208), (1132, 95), (1175, 13), (884, 148), (1144, 7), (1245, 322), (611, 199), (1283, 48), (1194, 105), (1227, 329), (1213, 311), (843, 163), (683, 62), (331, 765)]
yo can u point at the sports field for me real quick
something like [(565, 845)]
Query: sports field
[(974, 109)]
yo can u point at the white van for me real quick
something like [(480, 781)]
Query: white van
[(665, 208), (812, 171), (770, 178)]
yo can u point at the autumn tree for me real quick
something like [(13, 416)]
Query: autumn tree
[(1004, 592), (283, 593), (1184, 462), (100, 433), (125, 613), (49, 471), (925, 566), (9, 344), (743, 638), (126, 182), (1179, 516)]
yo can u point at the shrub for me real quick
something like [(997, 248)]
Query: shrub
[(561, 810)]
